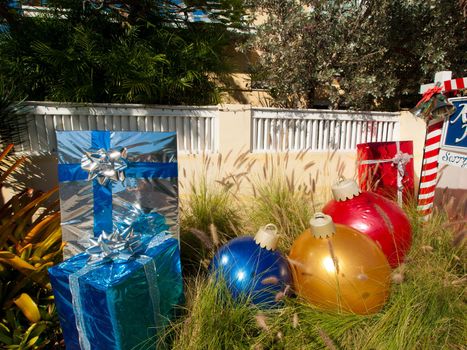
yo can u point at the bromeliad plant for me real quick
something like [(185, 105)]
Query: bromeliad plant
[(30, 242)]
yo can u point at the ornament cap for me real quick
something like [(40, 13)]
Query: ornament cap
[(345, 189), (322, 226), (267, 237)]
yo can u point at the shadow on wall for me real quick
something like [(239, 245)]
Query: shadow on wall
[(38, 172)]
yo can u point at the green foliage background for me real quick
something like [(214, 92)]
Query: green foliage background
[(30, 242), (350, 54), (359, 54), (145, 54)]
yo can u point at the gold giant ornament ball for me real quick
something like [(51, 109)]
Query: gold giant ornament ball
[(336, 267)]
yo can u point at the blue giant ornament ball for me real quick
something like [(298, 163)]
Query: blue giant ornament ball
[(252, 271)]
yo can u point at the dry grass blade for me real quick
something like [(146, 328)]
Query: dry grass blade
[(301, 154), (241, 158), (214, 234), (261, 321), (233, 228), (398, 277), (250, 165), (332, 155), (326, 339), (295, 320), (228, 156), (203, 237), (309, 165), (269, 280), (459, 239), (279, 296)]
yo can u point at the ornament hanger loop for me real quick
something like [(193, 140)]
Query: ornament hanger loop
[(267, 237), (322, 226), (271, 227), (345, 189)]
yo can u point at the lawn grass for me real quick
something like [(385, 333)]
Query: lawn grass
[(426, 309)]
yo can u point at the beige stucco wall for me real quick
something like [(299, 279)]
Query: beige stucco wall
[(413, 129), (234, 164), (236, 89)]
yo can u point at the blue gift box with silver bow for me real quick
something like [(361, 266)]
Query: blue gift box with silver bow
[(119, 293), (104, 175)]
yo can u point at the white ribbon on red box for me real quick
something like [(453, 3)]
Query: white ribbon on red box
[(400, 160)]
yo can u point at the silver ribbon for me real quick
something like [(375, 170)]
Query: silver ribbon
[(400, 160), (105, 165)]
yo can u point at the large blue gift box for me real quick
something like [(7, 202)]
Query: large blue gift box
[(115, 304), (104, 176)]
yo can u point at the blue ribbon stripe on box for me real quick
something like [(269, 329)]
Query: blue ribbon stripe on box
[(149, 180)]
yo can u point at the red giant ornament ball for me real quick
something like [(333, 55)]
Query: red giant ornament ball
[(376, 216)]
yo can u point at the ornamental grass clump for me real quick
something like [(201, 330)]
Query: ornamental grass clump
[(288, 202), (209, 217), (278, 201), (30, 242), (426, 308), (230, 324)]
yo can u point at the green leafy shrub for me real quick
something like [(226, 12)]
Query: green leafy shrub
[(10, 111), (30, 242), (356, 54), (136, 53)]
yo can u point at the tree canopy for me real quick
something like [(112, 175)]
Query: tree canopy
[(142, 51), (359, 54)]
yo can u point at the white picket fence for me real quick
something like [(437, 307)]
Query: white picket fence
[(196, 127), (276, 130)]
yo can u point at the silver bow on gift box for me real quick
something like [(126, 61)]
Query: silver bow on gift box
[(105, 165), (115, 246)]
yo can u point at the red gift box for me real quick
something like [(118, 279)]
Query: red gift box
[(387, 169)]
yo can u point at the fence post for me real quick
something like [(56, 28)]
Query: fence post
[(234, 128)]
